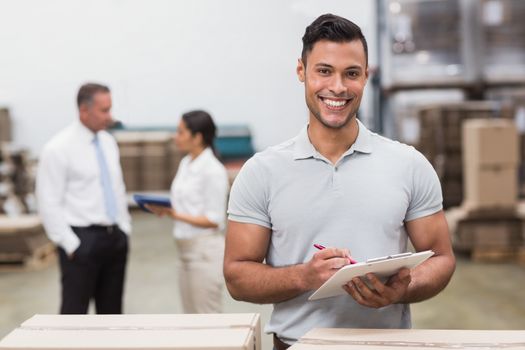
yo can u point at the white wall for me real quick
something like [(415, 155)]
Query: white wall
[(234, 58)]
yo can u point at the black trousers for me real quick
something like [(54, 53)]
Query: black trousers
[(96, 271)]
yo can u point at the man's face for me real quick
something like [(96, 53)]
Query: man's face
[(97, 114), (334, 78)]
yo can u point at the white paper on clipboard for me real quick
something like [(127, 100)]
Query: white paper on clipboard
[(381, 267)]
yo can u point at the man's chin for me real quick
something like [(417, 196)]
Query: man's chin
[(335, 123)]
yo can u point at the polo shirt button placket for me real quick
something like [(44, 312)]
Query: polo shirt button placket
[(335, 178)]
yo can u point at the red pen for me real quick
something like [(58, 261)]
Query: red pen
[(321, 247)]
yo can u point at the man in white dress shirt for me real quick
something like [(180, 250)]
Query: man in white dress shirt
[(82, 202)]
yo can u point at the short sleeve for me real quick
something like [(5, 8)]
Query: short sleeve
[(248, 197), (426, 197)]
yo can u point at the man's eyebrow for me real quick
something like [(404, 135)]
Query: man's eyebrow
[(326, 65)]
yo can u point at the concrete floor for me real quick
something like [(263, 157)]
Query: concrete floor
[(480, 296)]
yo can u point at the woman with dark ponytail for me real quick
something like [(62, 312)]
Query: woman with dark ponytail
[(198, 196)]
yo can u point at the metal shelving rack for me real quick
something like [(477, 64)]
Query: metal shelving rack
[(450, 47)]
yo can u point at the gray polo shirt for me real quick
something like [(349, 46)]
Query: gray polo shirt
[(361, 204)]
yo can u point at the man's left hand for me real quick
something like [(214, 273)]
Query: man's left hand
[(382, 294)]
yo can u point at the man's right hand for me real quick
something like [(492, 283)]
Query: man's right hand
[(249, 279), (323, 265)]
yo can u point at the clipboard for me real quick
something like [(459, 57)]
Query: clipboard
[(142, 200), (385, 266)]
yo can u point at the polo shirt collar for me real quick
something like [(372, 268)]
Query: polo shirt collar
[(363, 143), (304, 149)]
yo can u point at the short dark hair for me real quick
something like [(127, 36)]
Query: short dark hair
[(87, 91), (332, 28), (201, 122)]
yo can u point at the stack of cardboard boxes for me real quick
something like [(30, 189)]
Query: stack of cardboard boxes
[(488, 223), (17, 181), (6, 168), (156, 161), (441, 140), (130, 148), (414, 339), (149, 160), (183, 331), (174, 157), (17, 173), (23, 242), (5, 126), (6, 184), (491, 158), (24, 178)]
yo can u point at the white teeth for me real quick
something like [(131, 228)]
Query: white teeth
[(333, 103)]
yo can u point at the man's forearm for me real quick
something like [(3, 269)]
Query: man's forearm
[(429, 278), (263, 284), (58, 230)]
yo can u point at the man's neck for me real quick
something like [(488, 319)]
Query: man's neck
[(94, 132), (332, 143)]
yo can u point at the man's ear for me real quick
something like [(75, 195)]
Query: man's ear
[(301, 70), (83, 111)]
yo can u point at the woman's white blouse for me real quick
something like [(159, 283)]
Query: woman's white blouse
[(200, 188)]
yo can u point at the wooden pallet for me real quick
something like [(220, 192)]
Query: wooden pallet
[(40, 258)]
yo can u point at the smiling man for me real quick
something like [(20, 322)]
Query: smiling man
[(338, 184)]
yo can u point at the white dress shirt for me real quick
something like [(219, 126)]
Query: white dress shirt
[(69, 189), (200, 188)]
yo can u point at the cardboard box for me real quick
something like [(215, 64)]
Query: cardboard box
[(414, 339), (174, 158), (6, 128), (154, 173), (490, 142), (130, 149), (491, 187), (489, 233), (20, 236), (490, 161), (441, 124), (453, 166), (441, 140), (130, 173), (452, 192), (177, 332), (149, 159), (155, 167), (156, 143), (449, 166)]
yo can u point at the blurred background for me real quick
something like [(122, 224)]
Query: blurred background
[(434, 65)]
